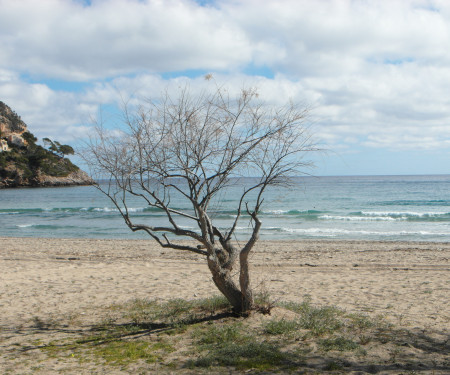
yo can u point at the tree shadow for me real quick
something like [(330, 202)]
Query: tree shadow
[(98, 334), (418, 350)]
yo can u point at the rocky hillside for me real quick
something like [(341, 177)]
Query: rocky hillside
[(10, 121), (25, 163)]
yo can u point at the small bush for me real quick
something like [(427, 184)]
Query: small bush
[(218, 335), (360, 321), (263, 302), (143, 311), (280, 327), (319, 320), (212, 304), (176, 309)]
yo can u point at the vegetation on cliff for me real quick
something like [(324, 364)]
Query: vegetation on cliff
[(27, 162)]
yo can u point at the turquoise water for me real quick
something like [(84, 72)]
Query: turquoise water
[(413, 208)]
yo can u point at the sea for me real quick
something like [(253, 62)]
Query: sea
[(406, 208)]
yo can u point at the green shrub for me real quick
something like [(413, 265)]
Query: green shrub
[(319, 320), (142, 311), (280, 327), (33, 158), (219, 335), (213, 304)]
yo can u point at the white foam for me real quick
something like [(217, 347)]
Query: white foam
[(114, 209), (105, 209), (359, 218), (132, 209), (275, 212), (332, 232), (402, 214)]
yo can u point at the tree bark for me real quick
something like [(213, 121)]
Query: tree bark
[(224, 282), (244, 281)]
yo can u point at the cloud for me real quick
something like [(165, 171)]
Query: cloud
[(375, 73), (48, 113), (72, 41), (336, 37)]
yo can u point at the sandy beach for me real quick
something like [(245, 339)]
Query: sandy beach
[(53, 279)]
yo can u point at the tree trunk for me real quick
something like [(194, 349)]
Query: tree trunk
[(244, 280), (241, 302)]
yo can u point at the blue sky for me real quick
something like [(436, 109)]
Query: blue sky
[(375, 73)]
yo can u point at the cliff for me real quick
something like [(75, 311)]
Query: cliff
[(25, 163), (10, 122), (18, 177)]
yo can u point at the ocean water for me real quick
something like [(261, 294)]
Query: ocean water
[(412, 208)]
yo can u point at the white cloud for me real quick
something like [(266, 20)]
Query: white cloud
[(48, 113), (376, 73), (67, 40)]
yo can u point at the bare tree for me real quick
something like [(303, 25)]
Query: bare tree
[(194, 146)]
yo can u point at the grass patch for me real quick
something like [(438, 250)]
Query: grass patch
[(281, 327), (204, 336), (125, 352), (213, 304), (339, 343), (232, 345), (173, 312), (215, 335), (318, 320), (242, 356)]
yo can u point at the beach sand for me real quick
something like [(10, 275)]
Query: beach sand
[(52, 279)]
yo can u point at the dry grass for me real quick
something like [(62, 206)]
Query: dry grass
[(179, 336)]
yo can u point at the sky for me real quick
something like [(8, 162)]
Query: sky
[(375, 73)]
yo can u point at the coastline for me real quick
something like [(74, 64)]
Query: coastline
[(78, 178)]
